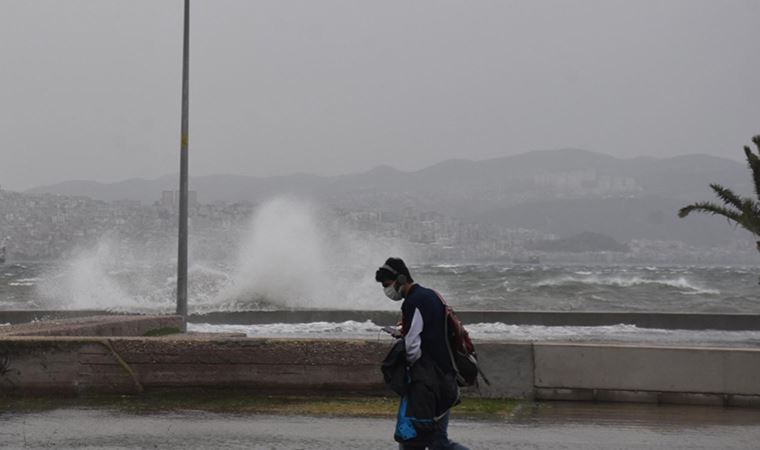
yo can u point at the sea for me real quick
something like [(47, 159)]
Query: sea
[(149, 288)]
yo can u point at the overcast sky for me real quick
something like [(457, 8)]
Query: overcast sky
[(90, 89)]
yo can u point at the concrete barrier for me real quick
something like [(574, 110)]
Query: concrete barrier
[(509, 367), (45, 357), (25, 316), (647, 373), (114, 325), (703, 370), (73, 365)]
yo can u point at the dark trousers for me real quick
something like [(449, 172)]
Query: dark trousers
[(440, 440)]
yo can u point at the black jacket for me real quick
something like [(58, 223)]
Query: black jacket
[(430, 391), (433, 314)]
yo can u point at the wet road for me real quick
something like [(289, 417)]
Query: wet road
[(531, 426)]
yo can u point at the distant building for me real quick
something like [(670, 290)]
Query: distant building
[(127, 203)]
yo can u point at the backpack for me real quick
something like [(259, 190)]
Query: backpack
[(461, 349)]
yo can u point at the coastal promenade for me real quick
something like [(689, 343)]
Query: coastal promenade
[(113, 354)]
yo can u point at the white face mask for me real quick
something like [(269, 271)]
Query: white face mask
[(392, 293)]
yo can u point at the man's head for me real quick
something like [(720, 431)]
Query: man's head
[(395, 278)]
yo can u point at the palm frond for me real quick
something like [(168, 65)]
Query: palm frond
[(750, 217), (744, 212), (753, 161), (728, 196), (710, 208)]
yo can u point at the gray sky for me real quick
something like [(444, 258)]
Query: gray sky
[(90, 89)]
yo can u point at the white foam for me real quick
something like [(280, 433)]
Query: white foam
[(624, 333), (349, 329), (24, 282), (620, 333), (625, 282)]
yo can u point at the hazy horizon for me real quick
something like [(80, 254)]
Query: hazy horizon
[(358, 171), (90, 90)]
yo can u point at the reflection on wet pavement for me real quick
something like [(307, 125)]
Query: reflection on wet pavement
[(531, 426)]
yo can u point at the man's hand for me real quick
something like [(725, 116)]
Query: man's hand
[(393, 331)]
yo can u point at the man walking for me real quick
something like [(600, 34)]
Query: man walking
[(426, 348)]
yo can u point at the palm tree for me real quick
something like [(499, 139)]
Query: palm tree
[(743, 211)]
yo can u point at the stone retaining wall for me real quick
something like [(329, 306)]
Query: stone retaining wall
[(47, 357), (72, 365)]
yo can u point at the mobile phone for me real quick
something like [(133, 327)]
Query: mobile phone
[(393, 331)]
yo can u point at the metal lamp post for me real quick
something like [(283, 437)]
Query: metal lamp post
[(183, 177)]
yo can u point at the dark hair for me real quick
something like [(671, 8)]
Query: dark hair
[(391, 270)]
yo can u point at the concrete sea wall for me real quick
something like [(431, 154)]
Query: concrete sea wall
[(71, 365), (625, 373), (99, 325), (647, 374), (57, 357)]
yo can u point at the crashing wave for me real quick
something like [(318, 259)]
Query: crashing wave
[(626, 282)]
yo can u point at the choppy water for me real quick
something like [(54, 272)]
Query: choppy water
[(601, 288), (150, 288), (143, 288)]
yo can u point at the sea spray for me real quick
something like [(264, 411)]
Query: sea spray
[(281, 258), (84, 282), (110, 274), (298, 256), (293, 254)]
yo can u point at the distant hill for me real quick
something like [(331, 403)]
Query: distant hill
[(509, 179), (621, 218), (563, 192)]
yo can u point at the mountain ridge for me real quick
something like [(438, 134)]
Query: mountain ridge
[(560, 192), (482, 172)]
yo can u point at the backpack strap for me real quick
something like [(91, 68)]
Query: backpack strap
[(446, 311)]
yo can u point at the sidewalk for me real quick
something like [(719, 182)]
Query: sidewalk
[(530, 426)]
